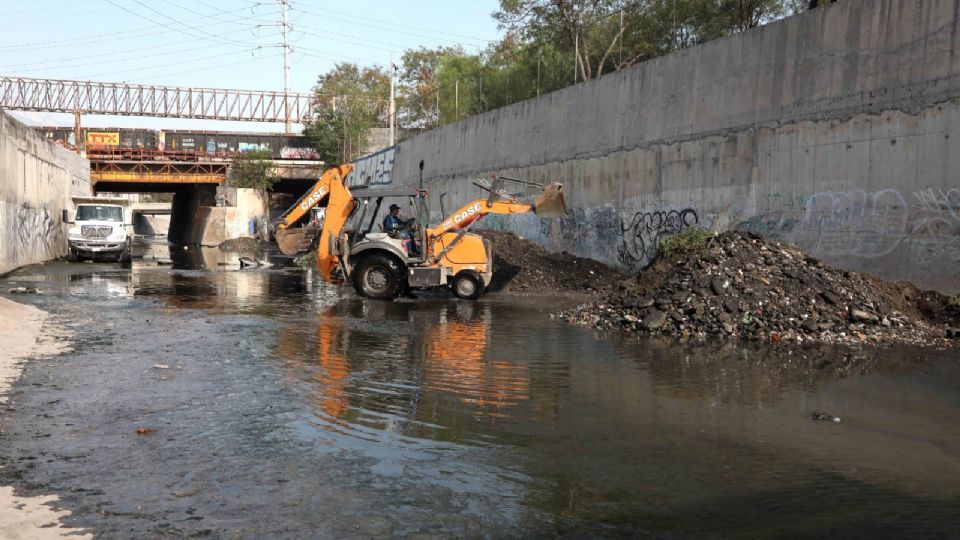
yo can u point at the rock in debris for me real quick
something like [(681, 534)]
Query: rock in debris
[(953, 333), (655, 320), (810, 325), (858, 315), (719, 285)]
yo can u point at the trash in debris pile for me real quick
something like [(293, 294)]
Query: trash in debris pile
[(739, 285), (145, 430), (824, 417), (24, 290), (520, 265)]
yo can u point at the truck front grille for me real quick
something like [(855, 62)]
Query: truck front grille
[(93, 231)]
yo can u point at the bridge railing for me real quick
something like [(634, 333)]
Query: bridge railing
[(89, 97)]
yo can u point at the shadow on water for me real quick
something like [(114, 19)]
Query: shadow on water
[(466, 418)]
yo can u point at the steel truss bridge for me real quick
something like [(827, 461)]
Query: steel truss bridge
[(87, 97)]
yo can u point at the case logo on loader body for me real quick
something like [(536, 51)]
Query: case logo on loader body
[(462, 216), (313, 198)]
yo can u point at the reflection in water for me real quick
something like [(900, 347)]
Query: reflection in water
[(433, 365), (758, 375)]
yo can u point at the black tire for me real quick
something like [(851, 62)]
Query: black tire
[(72, 256), (379, 276), (468, 285)]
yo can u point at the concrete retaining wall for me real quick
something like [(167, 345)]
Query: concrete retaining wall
[(37, 181), (837, 130)]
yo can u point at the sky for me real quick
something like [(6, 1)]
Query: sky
[(221, 43)]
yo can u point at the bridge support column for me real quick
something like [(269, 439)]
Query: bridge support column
[(190, 212)]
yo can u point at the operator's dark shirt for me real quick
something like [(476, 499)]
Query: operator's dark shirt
[(393, 223)]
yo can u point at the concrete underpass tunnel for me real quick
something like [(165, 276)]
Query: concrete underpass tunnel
[(206, 213), (188, 213)]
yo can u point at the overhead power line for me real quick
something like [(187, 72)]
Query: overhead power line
[(113, 57), (211, 37), (392, 26), (177, 63), (72, 42)]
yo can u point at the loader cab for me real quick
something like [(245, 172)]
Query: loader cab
[(365, 225)]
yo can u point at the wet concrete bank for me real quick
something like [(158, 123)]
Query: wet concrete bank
[(271, 404)]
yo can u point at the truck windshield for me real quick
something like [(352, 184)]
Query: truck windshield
[(99, 213)]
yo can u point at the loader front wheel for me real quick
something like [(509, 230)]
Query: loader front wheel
[(378, 276), (468, 285)]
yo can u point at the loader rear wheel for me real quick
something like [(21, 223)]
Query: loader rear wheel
[(378, 276), (468, 285)]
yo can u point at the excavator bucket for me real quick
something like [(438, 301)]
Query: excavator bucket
[(550, 203), (296, 240)]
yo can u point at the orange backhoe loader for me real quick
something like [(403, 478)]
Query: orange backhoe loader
[(385, 265)]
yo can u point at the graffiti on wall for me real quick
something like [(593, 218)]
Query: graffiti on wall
[(873, 224), (373, 169), (936, 213), (37, 234), (291, 152), (860, 223), (641, 233)]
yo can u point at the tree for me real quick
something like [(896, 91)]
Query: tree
[(350, 101), (600, 36), (253, 170), (592, 29)]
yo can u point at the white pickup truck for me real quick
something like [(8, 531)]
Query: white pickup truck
[(102, 228)]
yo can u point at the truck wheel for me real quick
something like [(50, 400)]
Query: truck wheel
[(378, 276), (468, 285), (72, 255)]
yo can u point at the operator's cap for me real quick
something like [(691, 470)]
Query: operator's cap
[(394, 207)]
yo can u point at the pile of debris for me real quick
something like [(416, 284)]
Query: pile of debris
[(520, 265), (244, 244), (739, 285)]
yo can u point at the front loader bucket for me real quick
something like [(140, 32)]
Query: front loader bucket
[(550, 203), (296, 240)]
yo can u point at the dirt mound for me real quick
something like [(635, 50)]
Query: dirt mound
[(739, 285), (522, 266)]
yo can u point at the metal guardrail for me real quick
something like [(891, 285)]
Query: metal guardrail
[(88, 97)]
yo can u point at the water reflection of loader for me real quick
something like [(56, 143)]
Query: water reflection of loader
[(436, 368), (456, 363)]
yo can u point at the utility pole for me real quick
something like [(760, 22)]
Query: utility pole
[(620, 66), (576, 53), (675, 47), (391, 110), (539, 57), (286, 70), (76, 129)]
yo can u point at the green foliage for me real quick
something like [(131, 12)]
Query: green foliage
[(954, 301), (350, 101), (689, 240), (253, 170)]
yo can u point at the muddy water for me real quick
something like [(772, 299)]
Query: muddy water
[(285, 407)]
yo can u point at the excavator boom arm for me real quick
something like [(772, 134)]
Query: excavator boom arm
[(476, 210), (317, 194)]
